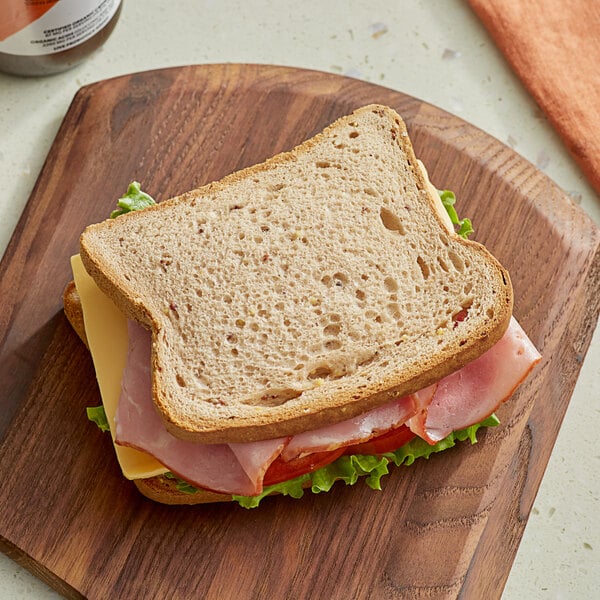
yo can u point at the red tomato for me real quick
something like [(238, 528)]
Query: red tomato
[(386, 442), (460, 316), (280, 470)]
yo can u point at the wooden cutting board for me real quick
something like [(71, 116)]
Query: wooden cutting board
[(443, 528)]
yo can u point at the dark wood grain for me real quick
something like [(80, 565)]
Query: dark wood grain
[(444, 528)]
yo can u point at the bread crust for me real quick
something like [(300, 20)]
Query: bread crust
[(73, 311), (323, 405), (164, 490)]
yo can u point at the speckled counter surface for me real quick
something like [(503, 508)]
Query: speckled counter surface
[(435, 50)]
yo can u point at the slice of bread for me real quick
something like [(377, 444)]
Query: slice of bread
[(73, 311), (301, 291), (164, 490)]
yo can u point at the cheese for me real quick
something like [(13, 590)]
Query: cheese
[(437, 201), (106, 332)]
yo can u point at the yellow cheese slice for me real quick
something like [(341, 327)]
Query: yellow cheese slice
[(437, 201), (106, 331)]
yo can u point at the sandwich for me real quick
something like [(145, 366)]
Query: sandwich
[(314, 318)]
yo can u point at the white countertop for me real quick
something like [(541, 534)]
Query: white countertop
[(435, 50)]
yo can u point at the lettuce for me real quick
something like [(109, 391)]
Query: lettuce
[(97, 415), (134, 199), (350, 469), (418, 448), (465, 228), (182, 486)]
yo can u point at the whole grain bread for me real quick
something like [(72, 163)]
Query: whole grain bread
[(301, 291), (73, 311), (164, 490)]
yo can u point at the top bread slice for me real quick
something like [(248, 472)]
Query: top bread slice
[(301, 291)]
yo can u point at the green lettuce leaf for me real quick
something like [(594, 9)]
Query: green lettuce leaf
[(350, 469), (418, 448), (97, 415), (464, 226), (134, 199), (182, 486)]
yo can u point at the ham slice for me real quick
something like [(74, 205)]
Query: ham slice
[(462, 399), (358, 429), (214, 467), (474, 392), (256, 457)]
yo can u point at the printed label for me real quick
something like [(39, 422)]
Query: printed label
[(34, 27)]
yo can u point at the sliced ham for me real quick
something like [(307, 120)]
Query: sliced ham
[(256, 457), (358, 429), (211, 466), (462, 399), (424, 397), (474, 392)]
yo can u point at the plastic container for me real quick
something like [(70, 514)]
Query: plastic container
[(43, 37)]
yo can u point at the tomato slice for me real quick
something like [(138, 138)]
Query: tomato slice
[(460, 316), (386, 442), (281, 470)]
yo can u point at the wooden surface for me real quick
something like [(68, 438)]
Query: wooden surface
[(444, 528)]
